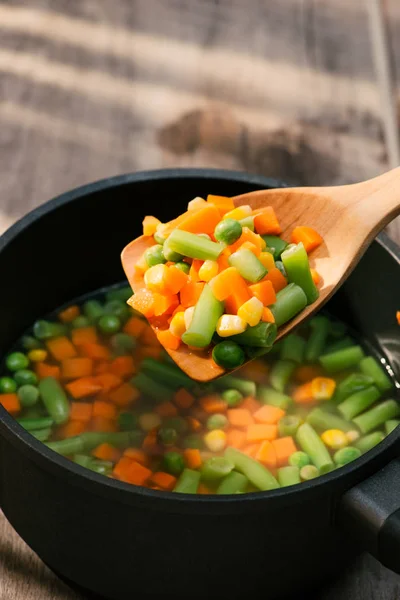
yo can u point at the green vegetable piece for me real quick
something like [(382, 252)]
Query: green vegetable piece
[(281, 268), (55, 400), (118, 309), (391, 425), (217, 421), (255, 472), (169, 374), (275, 245), (369, 441), (295, 261), (261, 336), (311, 444), (173, 463), (7, 385), (342, 359), (358, 402), (83, 460), (86, 442), (80, 322), (25, 376), (182, 266), (248, 265), (320, 329), (244, 386), (346, 455), (205, 318), (234, 483), (193, 441), (121, 293), (194, 246), (167, 436), (28, 395), (169, 253), (375, 417), (232, 398), (228, 231), (109, 324), (16, 361), (288, 476), (356, 382), (45, 330), (42, 434), (370, 367), (30, 343), (151, 388), (102, 467), (293, 348), (93, 310), (308, 472), (281, 373), (289, 425), (341, 344), (247, 222), (154, 255), (122, 343), (228, 355), (188, 482), (289, 302), (322, 420), (268, 395), (127, 421), (215, 468), (299, 459), (34, 424)]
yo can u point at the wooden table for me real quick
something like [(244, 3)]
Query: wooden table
[(88, 89)]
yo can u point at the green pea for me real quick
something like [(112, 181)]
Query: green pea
[(17, 361), (80, 322), (28, 395), (193, 441), (232, 397), (118, 308), (45, 330), (167, 436), (173, 463), (93, 310), (123, 343), (109, 324), (182, 266), (155, 255), (228, 355), (7, 385), (25, 377), (228, 231), (299, 459), (217, 421), (30, 343)]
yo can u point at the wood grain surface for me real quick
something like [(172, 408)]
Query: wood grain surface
[(93, 88)]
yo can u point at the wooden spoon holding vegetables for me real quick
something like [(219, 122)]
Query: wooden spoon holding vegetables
[(347, 217)]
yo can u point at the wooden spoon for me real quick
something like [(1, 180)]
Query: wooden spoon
[(348, 217)]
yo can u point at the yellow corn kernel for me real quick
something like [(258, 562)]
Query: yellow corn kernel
[(160, 231), (335, 439), (37, 355), (141, 265), (177, 326), (149, 421), (230, 325), (241, 212), (215, 440), (154, 278), (208, 270), (267, 260), (196, 203), (251, 311), (322, 388), (188, 316), (352, 436)]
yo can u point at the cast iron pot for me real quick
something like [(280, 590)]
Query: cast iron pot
[(122, 541)]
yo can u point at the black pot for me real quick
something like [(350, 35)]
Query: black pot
[(122, 541)]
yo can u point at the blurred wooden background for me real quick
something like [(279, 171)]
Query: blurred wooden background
[(93, 88)]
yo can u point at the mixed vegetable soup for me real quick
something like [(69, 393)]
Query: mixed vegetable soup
[(94, 384)]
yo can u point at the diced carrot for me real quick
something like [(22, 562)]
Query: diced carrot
[(223, 203), (137, 474), (303, 394), (398, 317), (168, 340), (266, 222), (213, 404), (251, 450), (236, 438), (223, 262), (240, 417), (171, 225), (239, 296), (204, 220), (268, 414), (266, 455), (107, 452), (267, 315), (101, 367), (305, 373), (260, 432), (71, 429), (134, 326), (84, 335), (81, 411), (95, 351), (194, 270), (82, 387), (149, 338), (11, 403), (164, 481), (264, 291), (138, 455), (192, 457), (45, 370), (165, 303), (179, 308), (61, 348), (73, 368), (316, 277), (252, 247), (102, 424), (175, 279), (310, 238), (283, 447), (104, 409), (183, 399), (225, 282), (166, 409), (255, 370), (69, 314), (150, 225), (150, 440), (143, 302), (190, 293), (278, 280), (123, 366), (194, 424), (203, 490), (250, 403), (124, 395), (248, 236), (267, 260), (121, 468)]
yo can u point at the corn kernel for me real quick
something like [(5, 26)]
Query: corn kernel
[(215, 440), (352, 436), (37, 355), (208, 270), (177, 326), (267, 260), (230, 325), (335, 439), (154, 278), (149, 421), (241, 212), (141, 265), (160, 231), (188, 316), (197, 203), (251, 311), (322, 388)]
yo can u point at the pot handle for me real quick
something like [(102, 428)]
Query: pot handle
[(370, 513)]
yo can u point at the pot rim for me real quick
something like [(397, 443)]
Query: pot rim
[(127, 493)]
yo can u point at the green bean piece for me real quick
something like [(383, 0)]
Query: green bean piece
[(188, 482), (82, 459), (281, 268), (215, 468), (322, 420), (248, 265), (275, 245), (342, 359), (232, 397), (262, 335), (127, 421), (255, 472), (45, 330), (170, 374), (244, 386), (281, 373), (88, 441), (308, 472), (288, 425), (299, 459), (311, 444), (118, 309), (247, 222), (169, 253), (33, 424), (173, 463), (154, 255), (268, 395), (340, 344), (154, 389), (234, 483), (205, 318), (102, 467), (295, 261), (30, 343), (320, 329), (42, 434), (25, 377), (289, 302), (182, 266), (370, 366), (193, 441), (55, 400), (69, 446), (358, 402), (93, 310), (7, 385), (346, 455), (356, 382), (16, 361), (122, 343), (369, 441), (194, 246), (293, 348), (217, 421), (80, 322), (375, 417), (391, 425), (288, 476), (228, 354), (122, 293), (228, 231)]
